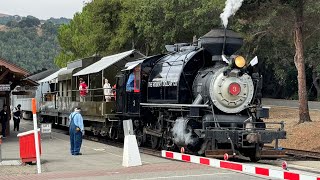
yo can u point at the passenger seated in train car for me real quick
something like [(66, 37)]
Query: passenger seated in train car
[(47, 96), (83, 90), (130, 83), (107, 90)]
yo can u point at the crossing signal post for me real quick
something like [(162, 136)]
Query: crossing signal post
[(36, 139)]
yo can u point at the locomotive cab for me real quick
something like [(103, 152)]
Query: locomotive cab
[(131, 86)]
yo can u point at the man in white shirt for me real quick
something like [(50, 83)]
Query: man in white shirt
[(16, 117), (107, 90)]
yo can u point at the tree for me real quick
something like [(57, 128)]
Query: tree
[(89, 32), (29, 21), (298, 7), (312, 43)]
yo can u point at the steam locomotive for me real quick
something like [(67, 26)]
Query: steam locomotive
[(198, 96)]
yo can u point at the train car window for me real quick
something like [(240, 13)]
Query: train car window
[(130, 83), (137, 79)]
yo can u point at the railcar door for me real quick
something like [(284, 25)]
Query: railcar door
[(120, 93), (133, 94)]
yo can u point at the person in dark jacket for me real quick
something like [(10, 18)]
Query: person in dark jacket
[(76, 130), (4, 116), (16, 117)]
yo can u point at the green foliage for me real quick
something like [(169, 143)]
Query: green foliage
[(29, 21), (59, 21), (89, 32), (107, 27), (30, 45), (111, 26), (4, 20)]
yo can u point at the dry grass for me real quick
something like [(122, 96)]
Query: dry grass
[(305, 136), (4, 28)]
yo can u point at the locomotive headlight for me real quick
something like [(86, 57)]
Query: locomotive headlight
[(239, 61)]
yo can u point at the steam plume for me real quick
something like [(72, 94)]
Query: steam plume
[(180, 132), (232, 6)]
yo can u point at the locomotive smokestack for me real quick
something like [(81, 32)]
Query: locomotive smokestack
[(221, 41), (224, 41)]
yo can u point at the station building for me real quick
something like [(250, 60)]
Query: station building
[(11, 76)]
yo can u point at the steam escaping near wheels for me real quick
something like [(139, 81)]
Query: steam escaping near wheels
[(182, 135)]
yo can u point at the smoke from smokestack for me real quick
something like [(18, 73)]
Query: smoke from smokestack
[(180, 132), (232, 6)]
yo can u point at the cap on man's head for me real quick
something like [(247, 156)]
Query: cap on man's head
[(19, 105), (77, 108)]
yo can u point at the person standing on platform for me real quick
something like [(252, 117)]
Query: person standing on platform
[(76, 130), (83, 89), (16, 117), (107, 90), (4, 116)]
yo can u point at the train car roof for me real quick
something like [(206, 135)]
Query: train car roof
[(52, 76), (41, 75), (106, 62), (133, 64)]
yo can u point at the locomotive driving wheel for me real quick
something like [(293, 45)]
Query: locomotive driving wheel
[(140, 137), (167, 142), (255, 154), (113, 133), (155, 142)]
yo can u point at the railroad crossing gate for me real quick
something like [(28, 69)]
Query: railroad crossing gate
[(11, 76)]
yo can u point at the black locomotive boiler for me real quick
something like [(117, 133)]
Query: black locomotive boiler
[(201, 97)]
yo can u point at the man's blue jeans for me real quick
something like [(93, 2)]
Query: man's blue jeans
[(75, 141)]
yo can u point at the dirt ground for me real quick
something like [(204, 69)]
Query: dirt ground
[(305, 136)]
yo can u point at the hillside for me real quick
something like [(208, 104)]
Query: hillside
[(4, 15), (29, 42)]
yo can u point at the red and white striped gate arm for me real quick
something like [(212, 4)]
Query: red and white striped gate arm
[(238, 166)]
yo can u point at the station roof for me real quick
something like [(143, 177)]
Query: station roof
[(13, 68), (107, 61), (52, 76), (18, 74)]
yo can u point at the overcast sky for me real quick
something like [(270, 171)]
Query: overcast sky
[(42, 9)]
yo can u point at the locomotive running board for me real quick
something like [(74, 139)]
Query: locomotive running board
[(173, 105), (265, 154)]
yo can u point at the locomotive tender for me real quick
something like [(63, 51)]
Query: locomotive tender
[(199, 96)]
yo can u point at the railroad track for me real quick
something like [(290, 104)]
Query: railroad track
[(296, 155), (309, 155)]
